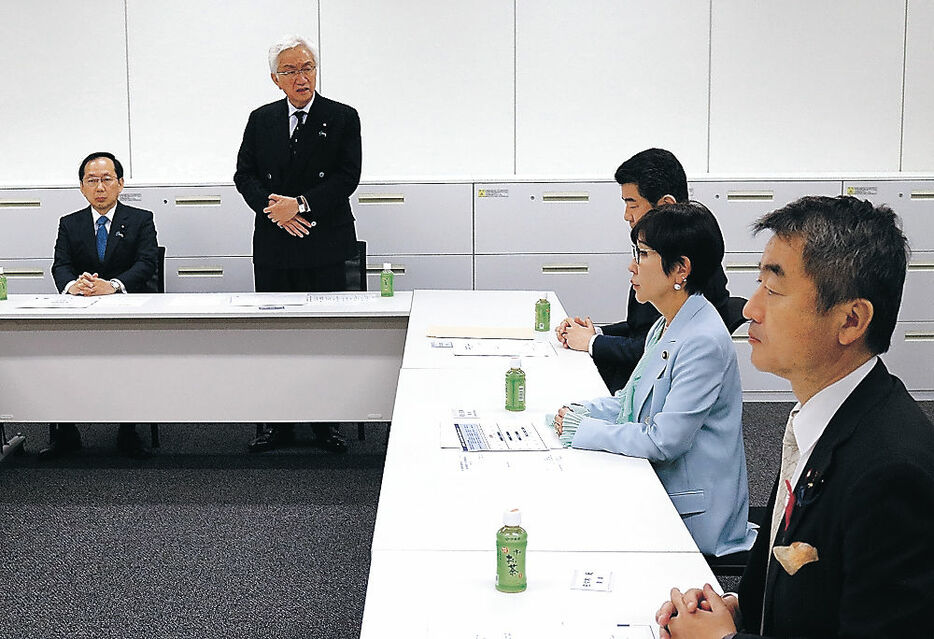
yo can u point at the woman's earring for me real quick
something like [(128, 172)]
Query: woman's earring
[(677, 286)]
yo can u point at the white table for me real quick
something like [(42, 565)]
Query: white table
[(451, 594), (200, 358)]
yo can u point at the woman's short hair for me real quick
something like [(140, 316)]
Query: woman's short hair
[(683, 229)]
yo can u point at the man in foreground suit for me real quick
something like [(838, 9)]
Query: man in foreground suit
[(849, 553), (647, 180), (103, 249), (297, 167)]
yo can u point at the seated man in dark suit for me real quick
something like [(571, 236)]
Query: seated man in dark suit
[(649, 179), (849, 550), (103, 249)]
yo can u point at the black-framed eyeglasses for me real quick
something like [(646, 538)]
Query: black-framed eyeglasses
[(307, 71), (639, 253)]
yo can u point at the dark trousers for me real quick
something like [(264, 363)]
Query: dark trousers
[(320, 279)]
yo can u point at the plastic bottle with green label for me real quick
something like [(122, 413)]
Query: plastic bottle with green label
[(543, 314), (515, 386), (385, 280), (511, 544), (2, 284)]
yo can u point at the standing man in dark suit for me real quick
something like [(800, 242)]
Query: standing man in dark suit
[(103, 249), (297, 167), (647, 180), (849, 552)]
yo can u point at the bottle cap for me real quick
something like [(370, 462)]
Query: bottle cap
[(1, 270), (387, 266), (512, 517), (515, 362)]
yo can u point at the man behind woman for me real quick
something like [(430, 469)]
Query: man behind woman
[(682, 406)]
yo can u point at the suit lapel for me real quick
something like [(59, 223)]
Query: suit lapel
[(117, 232), (87, 236)]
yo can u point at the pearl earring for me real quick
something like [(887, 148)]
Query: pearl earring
[(677, 286)]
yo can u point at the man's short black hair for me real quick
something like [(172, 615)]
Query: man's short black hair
[(656, 173), (118, 168), (852, 250), (683, 229)]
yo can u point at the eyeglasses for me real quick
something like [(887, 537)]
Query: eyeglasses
[(107, 180), (638, 254), (292, 75)]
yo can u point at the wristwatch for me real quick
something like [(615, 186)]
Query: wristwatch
[(302, 204), (116, 284)]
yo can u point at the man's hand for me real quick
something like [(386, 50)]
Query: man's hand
[(577, 335), (700, 614), (297, 226), (281, 208), (89, 284)]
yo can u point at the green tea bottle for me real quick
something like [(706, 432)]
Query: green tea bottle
[(511, 542), (543, 314), (515, 386), (385, 280), (2, 284)]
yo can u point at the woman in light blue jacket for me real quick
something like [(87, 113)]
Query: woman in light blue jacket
[(682, 407)]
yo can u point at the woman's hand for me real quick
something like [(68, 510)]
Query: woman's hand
[(559, 420)]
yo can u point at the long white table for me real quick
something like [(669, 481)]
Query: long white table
[(201, 358)]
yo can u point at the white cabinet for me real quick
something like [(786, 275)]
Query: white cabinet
[(29, 219), (587, 284), (422, 271), (599, 81), (912, 200), (29, 276), (415, 219), (910, 357), (208, 274), (807, 85), (737, 204)]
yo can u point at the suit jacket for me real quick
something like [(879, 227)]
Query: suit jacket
[(621, 344), (131, 254), (865, 501), (326, 170), (689, 406)]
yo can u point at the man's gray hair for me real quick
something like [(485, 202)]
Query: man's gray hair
[(285, 43)]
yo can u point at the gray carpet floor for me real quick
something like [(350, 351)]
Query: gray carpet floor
[(206, 540)]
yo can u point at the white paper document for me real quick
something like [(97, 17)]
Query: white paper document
[(592, 580), (470, 431), (56, 301), (503, 348), (122, 301), (333, 299)]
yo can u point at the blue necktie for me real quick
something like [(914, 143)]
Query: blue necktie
[(101, 237)]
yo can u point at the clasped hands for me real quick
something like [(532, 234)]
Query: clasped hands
[(575, 333), (283, 210), (697, 614), (89, 284)]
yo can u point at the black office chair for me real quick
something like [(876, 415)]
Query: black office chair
[(732, 313), (733, 565), (157, 283)]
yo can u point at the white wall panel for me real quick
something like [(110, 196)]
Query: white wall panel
[(918, 150), (197, 69), (433, 82), (62, 88), (806, 85), (598, 81)]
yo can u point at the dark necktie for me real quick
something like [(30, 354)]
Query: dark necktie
[(296, 134), (101, 237)]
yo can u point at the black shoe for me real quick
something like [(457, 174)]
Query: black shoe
[(63, 439), (129, 444), (329, 438), (272, 436)]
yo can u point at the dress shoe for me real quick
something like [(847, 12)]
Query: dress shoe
[(63, 439), (272, 436), (329, 438), (129, 444)]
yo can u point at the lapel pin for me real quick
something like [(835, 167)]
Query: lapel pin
[(664, 354), (323, 134)]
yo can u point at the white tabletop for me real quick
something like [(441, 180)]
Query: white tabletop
[(209, 305), (452, 594), (618, 499)]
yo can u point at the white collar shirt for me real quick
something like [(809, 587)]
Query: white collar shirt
[(293, 121)]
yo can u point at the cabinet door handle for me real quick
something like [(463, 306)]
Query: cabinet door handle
[(200, 200), (921, 266), (919, 336), (741, 268), (565, 196), (20, 204), (24, 273), (764, 195), (553, 269), (200, 271), (381, 198), (923, 194)]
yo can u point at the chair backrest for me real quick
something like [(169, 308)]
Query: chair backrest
[(355, 269), (157, 283), (733, 313)]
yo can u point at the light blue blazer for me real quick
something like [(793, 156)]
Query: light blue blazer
[(689, 404)]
